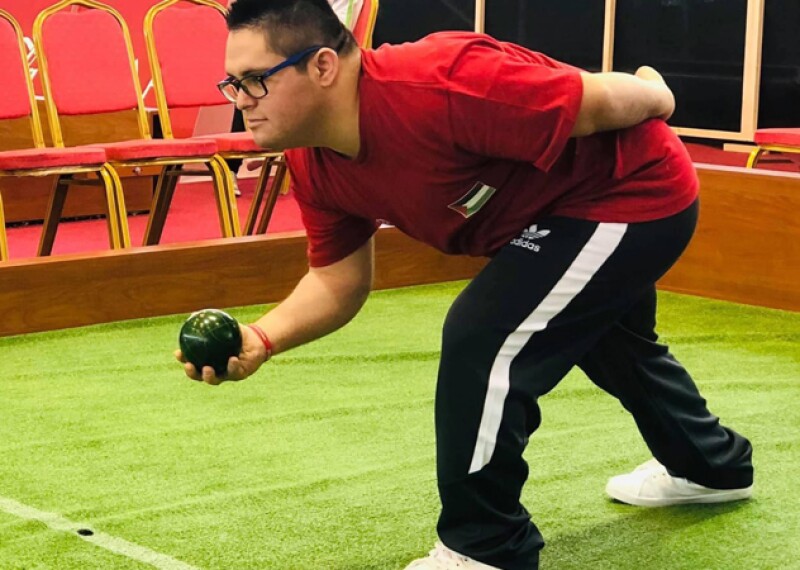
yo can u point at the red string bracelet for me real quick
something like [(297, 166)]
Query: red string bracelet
[(264, 339)]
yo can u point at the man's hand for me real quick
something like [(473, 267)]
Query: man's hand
[(649, 74), (252, 356)]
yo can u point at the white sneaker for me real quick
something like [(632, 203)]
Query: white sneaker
[(650, 485), (442, 558)]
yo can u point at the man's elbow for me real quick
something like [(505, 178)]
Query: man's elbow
[(359, 295), (352, 294), (584, 126)]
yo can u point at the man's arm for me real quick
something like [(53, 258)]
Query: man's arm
[(619, 100), (325, 299)]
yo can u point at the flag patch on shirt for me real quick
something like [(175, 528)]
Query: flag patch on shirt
[(473, 200)]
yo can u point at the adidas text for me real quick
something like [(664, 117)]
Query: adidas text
[(526, 244)]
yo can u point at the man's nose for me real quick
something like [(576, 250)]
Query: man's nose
[(243, 100)]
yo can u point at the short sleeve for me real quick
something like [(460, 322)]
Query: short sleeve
[(332, 234), (508, 102)]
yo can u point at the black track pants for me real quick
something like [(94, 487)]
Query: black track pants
[(566, 292)]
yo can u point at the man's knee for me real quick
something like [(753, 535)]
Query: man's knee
[(469, 327)]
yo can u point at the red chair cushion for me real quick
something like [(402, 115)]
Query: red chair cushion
[(785, 137), (235, 142), (143, 149), (15, 101), (34, 158)]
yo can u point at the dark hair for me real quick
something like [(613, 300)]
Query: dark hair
[(292, 25)]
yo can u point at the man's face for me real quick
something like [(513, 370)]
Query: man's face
[(285, 117)]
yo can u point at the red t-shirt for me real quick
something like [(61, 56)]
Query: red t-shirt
[(465, 142)]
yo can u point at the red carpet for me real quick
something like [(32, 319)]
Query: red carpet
[(706, 154), (192, 217)]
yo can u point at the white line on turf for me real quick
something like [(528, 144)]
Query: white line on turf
[(112, 543)]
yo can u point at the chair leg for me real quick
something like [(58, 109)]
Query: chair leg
[(755, 155), (119, 203), (112, 215), (286, 183), (3, 237), (223, 193), (53, 216), (272, 197), (162, 198), (258, 197), (233, 210)]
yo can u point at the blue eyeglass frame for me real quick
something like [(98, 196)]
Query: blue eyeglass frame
[(262, 77)]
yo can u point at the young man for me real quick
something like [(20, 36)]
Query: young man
[(570, 182), (347, 11)]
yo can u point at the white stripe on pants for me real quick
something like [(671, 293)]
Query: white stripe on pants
[(598, 249)]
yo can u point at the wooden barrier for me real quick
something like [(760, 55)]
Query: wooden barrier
[(747, 249), (747, 245), (69, 291)]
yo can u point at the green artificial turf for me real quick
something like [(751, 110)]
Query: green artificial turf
[(325, 459)]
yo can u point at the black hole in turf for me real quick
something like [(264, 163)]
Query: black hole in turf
[(85, 532)]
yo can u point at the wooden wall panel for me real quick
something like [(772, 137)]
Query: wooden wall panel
[(107, 286), (747, 246), (68, 291)]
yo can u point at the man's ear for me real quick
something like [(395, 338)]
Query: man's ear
[(325, 67)]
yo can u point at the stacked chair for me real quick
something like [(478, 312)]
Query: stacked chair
[(98, 75), (66, 166)]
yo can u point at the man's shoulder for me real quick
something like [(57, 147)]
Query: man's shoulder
[(437, 56), (430, 57), (442, 40)]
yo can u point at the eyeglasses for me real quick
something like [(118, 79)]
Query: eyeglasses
[(255, 86)]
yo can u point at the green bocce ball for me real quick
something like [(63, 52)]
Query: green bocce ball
[(209, 338)]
